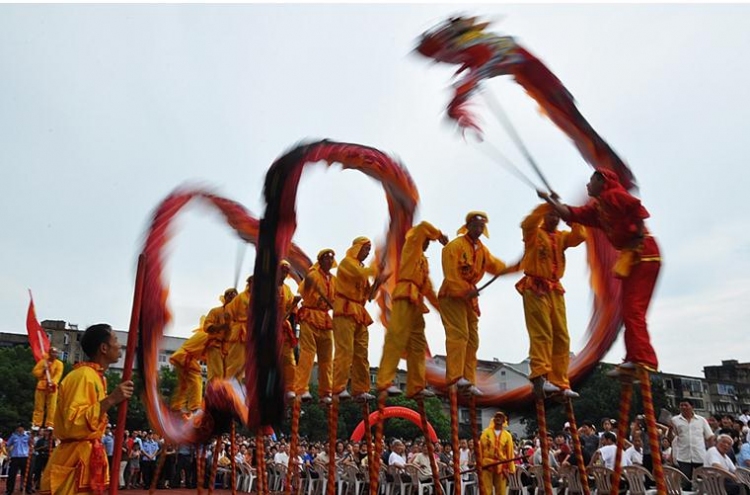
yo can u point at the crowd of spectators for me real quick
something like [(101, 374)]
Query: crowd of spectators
[(688, 441)]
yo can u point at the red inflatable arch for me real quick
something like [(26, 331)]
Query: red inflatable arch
[(394, 412)]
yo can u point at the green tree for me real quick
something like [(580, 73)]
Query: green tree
[(16, 388)]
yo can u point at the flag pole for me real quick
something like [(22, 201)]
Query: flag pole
[(127, 372)]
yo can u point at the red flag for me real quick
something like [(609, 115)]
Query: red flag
[(37, 337)]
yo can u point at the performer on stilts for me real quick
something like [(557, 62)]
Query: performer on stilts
[(186, 360), (621, 217), (287, 305), (48, 372), (497, 448), (350, 322), (465, 261), (318, 291), (543, 266), (233, 346), (406, 330)]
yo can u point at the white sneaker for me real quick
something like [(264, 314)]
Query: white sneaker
[(290, 395), (473, 390), (425, 393), (363, 397), (34, 428), (345, 395), (550, 388), (463, 383), (393, 391), (627, 365), (326, 400), (571, 394), (306, 397)]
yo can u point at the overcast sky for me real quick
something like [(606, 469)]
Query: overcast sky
[(104, 109)]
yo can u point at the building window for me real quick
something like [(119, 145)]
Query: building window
[(66, 339), (162, 358)]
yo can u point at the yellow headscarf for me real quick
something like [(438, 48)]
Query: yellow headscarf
[(357, 245), (471, 216), (324, 252)]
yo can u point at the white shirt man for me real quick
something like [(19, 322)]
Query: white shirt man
[(282, 457), (717, 456), (691, 435), (397, 455)]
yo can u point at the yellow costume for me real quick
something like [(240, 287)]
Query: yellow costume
[(465, 262), (79, 464), (287, 306), (543, 295), (350, 322), (315, 329), (226, 355), (406, 331), (496, 447), (186, 362), (46, 391)]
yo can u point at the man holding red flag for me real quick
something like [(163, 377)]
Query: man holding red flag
[(48, 372)]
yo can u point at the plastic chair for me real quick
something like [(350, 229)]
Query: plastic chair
[(354, 480), (320, 483), (711, 480), (417, 482), (537, 474), (743, 476), (569, 475), (602, 479), (675, 479), (636, 477), (515, 481)]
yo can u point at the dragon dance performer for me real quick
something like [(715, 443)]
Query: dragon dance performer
[(543, 265), (465, 261), (186, 361), (48, 372), (406, 331), (287, 306), (350, 322), (621, 217), (318, 291), (79, 464), (497, 445), (226, 354)]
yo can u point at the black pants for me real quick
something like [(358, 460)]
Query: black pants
[(17, 465), (185, 464), (687, 470), (147, 472), (40, 462)]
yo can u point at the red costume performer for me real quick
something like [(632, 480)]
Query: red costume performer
[(621, 216)]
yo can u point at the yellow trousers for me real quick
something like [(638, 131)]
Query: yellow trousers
[(39, 399), (549, 343), (289, 365), (491, 479), (227, 361), (351, 340), (314, 341), (189, 392), (68, 470), (405, 334), (461, 338)]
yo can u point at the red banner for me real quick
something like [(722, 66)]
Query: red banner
[(37, 337)]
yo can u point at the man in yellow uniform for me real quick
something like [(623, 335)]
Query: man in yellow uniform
[(186, 360), (79, 464), (316, 327), (406, 329), (226, 327), (350, 322), (465, 261), (497, 445), (48, 372), (287, 306), (543, 266)]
